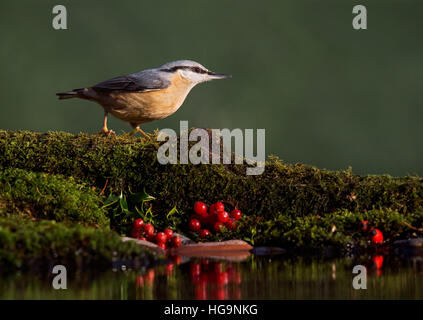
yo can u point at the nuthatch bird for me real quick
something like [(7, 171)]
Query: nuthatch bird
[(147, 95)]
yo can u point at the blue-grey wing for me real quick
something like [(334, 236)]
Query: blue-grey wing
[(147, 80)]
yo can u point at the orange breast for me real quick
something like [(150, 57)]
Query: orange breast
[(141, 107)]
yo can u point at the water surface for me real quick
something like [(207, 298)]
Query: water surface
[(257, 277)]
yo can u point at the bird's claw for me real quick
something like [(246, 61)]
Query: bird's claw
[(107, 133)]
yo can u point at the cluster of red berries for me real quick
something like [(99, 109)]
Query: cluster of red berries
[(214, 219), (146, 232), (376, 236)]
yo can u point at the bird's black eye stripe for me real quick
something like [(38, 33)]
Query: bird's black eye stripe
[(193, 69)]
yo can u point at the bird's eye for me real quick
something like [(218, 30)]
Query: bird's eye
[(197, 69)]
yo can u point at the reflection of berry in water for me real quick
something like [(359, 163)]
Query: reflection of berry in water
[(222, 278), (169, 269), (378, 261), (236, 277), (149, 277), (237, 294), (139, 281), (218, 267), (220, 293), (204, 278), (194, 269), (205, 263), (200, 291), (177, 260), (196, 278)]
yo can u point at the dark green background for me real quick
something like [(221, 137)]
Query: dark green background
[(326, 94)]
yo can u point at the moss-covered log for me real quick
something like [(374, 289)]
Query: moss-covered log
[(25, 243), (289, 204), (47, 196), (129, 162)]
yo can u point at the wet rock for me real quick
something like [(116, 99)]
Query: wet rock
[(412, 243), (229, 248), (267, 251), (410, 246)]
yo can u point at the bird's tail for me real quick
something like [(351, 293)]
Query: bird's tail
[(69, 94)]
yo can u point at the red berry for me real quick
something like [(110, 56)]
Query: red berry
[(236, 214), (194, 225), (142, 238), (204, 219), (168, 232), (376, 236), (138, 223), (230, 224), (218, 226), (200, 208), (223, 216), (211, 219), (148, 229), (135, 233), (219, 207), (176, 241), (162, 245), (364, 225), (161, 237), (212, 209), (204, 233), (151, 237)]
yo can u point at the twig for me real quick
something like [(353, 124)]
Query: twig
[(104, 188), (411, 227)]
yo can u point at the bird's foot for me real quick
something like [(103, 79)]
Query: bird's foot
[(145, 135), (107, 133)]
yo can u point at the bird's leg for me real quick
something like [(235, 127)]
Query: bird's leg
[(142, 132), (104, 129), (138, 129)]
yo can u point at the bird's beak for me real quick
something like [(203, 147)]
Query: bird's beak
[(213, 76)]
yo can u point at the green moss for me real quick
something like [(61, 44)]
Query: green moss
[(24, 242), (49, 196), (340, 229), (129, 162), (291, 205)]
